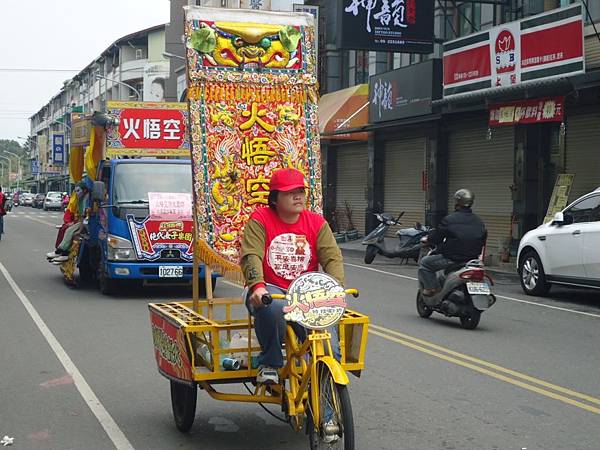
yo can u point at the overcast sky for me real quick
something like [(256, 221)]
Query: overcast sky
[(58, 34)]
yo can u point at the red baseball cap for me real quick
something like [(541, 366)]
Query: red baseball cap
[(287, 180)]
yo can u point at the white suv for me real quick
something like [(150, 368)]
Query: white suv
[(564, 251)]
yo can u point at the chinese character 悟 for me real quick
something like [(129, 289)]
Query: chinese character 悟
[(151, 128), (255, 151)]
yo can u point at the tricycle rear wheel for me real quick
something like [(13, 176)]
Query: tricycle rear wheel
[(334, 398), (183, 402)]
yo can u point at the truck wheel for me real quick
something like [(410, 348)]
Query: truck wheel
[(86, 271), (108, 286)]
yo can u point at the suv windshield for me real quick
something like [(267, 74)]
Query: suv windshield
[(132, 182)]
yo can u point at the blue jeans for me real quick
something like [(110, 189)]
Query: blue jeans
[(429, 266), (270, 327), (1, 225)]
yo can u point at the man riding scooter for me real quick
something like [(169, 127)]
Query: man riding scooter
[(459, 238)]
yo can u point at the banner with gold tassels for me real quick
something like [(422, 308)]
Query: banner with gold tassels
[(253, 109)]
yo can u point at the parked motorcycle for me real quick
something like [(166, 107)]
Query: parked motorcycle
[(408, 247), (466, 292)]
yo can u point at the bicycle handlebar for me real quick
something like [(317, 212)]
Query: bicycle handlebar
[(267, 299)]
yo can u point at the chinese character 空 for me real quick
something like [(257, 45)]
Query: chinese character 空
[(258, 188), (151, 128), (171, 129), (131, 126), (255, 115), (255, 151)]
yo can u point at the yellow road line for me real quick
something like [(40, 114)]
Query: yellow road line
[(496, 367), (487, 372)]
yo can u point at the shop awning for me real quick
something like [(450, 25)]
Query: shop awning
[(346, 109)]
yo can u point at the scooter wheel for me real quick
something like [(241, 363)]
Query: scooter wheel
[(423, 310), (470, 321), (370, 253)]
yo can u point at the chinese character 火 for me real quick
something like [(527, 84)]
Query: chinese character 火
[(131, 126), (255, 115)]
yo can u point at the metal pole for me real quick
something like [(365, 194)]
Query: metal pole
[(2, 177), (18, 167), (139, 96)]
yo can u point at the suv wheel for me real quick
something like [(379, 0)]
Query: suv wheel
[(532, 276)]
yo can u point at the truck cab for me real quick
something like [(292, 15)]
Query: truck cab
[(124, 242)]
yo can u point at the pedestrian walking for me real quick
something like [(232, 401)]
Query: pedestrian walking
[(2, 211)]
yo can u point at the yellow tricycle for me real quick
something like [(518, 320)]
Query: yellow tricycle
[(210, 342)]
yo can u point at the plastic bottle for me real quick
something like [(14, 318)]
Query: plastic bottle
[(204, 352)]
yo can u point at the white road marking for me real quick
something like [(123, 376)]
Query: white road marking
[(43, 222), (106, 421), (512, 299)]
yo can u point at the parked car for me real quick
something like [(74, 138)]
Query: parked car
[(38, 200), (26, 199), (563, 251), (53, 200)]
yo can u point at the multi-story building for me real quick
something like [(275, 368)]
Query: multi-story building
[(415, 163), (133, 68)]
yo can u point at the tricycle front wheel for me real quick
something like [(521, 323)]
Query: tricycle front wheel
[(336, 430), (183, 401)]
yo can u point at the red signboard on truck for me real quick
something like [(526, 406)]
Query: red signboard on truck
[(147, 129)]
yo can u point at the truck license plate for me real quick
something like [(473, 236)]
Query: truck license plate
[(170, 271), (478, 288)]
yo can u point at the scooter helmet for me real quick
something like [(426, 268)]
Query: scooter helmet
[(464, 198)]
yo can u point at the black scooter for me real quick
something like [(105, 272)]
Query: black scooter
[(409, 246)]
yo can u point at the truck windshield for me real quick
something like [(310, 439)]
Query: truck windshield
[(132, 182)]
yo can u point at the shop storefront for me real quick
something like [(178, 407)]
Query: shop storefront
[(403, 123), (506, 108), (345, 157)]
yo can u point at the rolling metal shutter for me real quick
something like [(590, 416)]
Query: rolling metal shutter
[(352, 166), (486, 168), (403, 168), (582, 148)]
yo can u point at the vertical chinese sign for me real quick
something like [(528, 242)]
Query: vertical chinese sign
[(253, 109)]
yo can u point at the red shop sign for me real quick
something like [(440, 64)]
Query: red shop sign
[(541, 110)]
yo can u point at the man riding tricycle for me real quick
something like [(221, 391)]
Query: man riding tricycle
[(289, 338)]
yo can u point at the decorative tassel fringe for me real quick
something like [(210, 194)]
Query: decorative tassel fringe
[(227, 269)]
